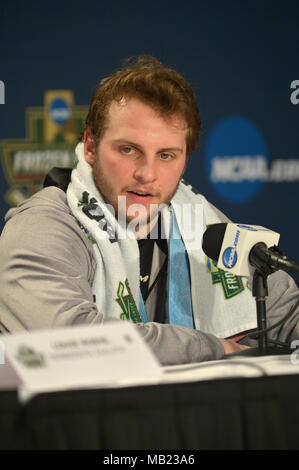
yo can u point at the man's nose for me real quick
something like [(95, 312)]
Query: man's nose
[(146, 170)]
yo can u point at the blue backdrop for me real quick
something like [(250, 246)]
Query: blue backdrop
[(240, 57)]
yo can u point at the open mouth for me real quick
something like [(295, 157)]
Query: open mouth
[(139, 193), (140, 197)]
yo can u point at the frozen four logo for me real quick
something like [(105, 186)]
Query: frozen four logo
[(51, 136), (232, 285)]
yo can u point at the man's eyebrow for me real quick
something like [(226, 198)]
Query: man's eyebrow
[(139, 147), (127, 142), (172, 149)]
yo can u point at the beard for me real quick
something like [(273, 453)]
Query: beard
[(107, 191)]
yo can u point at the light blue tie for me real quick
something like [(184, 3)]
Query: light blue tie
[(142, 310), (179, 282)]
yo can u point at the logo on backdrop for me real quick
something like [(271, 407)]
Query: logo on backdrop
[(51, 136), (237, 163)]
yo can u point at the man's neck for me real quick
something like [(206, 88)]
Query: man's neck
[(145, 230)]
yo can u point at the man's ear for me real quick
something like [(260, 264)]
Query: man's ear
[(89, 147)]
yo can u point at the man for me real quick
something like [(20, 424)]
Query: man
[(115, 245)]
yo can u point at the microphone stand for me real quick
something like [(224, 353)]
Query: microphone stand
[(260, 291), (264, 267)]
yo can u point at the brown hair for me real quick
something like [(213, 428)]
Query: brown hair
[(147, 79)]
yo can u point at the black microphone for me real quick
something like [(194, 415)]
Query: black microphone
[(240, 248)]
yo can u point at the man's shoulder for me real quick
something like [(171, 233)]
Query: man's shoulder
[(46, 200), (52, 198), (44, 224), (44, 214)]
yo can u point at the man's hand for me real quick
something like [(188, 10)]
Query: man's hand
[(231, 347)]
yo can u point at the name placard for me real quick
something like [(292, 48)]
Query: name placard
[(81, 357)]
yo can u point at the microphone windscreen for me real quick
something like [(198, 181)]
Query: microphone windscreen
[(212, 240)]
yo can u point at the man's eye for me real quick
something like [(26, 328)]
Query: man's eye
[(166, 156), (127, 150)]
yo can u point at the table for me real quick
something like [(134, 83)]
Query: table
[(235, 413)]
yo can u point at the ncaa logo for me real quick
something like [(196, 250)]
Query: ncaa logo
[(229, 257), (236, 159), (247, 227), (252, 229), (59, 111)]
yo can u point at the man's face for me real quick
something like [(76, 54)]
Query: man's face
[(141, 156)]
